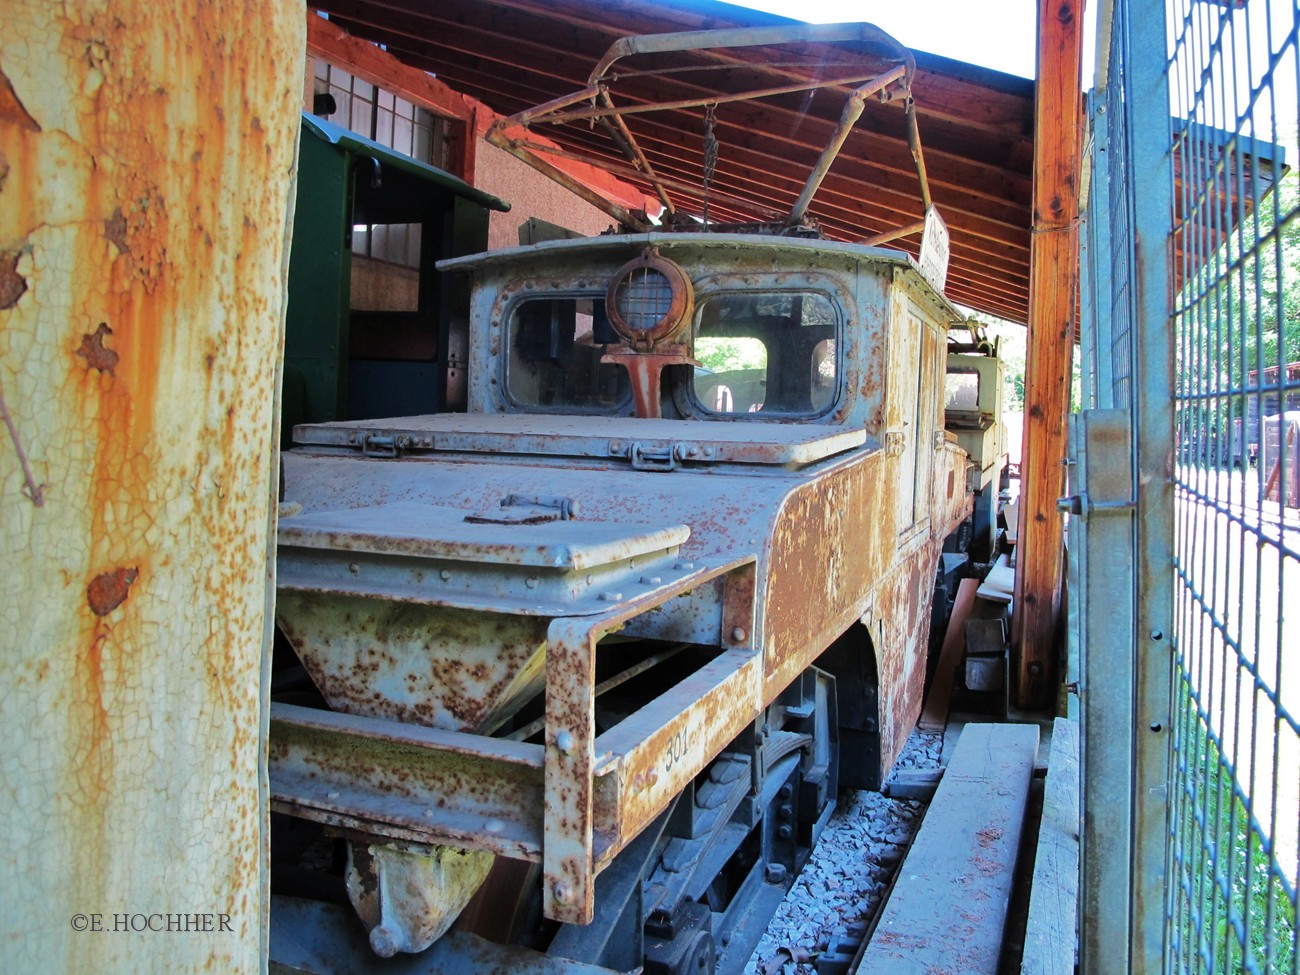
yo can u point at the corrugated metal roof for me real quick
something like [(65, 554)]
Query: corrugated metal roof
[(975, 124)]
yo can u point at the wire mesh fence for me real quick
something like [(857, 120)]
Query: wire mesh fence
[(1233, 237)]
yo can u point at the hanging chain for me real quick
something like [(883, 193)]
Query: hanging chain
[(710, 156)]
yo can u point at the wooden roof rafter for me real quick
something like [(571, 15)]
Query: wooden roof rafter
[(976, 124)]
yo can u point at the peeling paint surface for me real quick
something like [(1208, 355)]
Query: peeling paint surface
[(142, 236)]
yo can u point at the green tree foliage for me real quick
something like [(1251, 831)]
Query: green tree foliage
[(1271, 279), (1239, 315), (731, 354)]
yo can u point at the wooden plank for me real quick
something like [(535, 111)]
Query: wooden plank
[(999, 585), (1053, 302), (1052, 929), (1012, 514), (949, 904), (935, 715)]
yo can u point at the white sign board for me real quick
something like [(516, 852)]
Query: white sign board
[(934, 250)]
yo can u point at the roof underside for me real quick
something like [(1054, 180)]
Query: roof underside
[(975, 124)]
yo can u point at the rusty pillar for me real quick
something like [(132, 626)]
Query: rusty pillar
[(146, 172)]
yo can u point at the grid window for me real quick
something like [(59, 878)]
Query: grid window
[(400, 125)]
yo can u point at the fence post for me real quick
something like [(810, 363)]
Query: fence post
[(1151, 179)]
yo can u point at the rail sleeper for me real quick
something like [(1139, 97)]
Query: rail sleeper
[(949, 906)]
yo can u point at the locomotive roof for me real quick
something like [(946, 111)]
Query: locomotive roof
[(613, 246)]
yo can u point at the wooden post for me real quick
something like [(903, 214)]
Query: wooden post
[(1053, 300)]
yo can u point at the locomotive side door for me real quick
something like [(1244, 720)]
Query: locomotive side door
[(911, 412)]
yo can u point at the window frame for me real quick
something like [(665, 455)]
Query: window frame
[(530, 293), (689, 403)]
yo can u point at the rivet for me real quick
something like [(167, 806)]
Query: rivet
[(738, 635), (563, 892), (611, 597), (331, 795), (445, 575), (494, 826), (651, 580), (531, 582), (564, 741), (1157, 634), (353, 568)]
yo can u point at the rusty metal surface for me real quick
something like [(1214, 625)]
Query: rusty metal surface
[(438, 531), (649, 757), (568, 877), (644, 373), (596, 437), (781, 536), (457, 669), (147, 153), (425, 784)]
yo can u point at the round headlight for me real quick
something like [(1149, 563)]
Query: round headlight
[(649, 300)]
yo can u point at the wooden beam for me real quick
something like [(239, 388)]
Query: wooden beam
[(935, 714), (1053, 301), (330, 42), (465, 53)]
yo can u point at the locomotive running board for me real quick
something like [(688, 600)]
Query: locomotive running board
[(571, 804)]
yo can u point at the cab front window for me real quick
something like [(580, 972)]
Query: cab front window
[(553, 361), (766, 354)]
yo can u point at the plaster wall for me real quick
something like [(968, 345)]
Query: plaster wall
[(530, 194)]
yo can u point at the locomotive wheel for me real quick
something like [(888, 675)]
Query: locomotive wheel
[(796, 743), (702, 957)]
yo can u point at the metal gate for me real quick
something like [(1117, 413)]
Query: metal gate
[(1187, 484)]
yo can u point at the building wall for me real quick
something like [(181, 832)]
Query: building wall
[(146, 169), (530, 194)]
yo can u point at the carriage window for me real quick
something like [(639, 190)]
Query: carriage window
[(961, 390), (766, 353), (554, 356)]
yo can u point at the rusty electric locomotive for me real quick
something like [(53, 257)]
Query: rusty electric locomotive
[(594, 656)]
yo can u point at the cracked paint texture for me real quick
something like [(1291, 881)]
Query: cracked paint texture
[(143, 223)]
